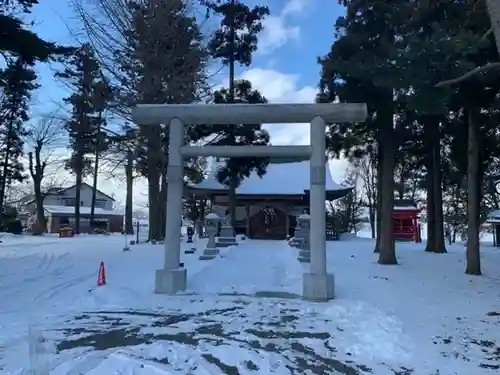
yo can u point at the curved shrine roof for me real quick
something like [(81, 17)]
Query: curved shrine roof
[(280, 179)]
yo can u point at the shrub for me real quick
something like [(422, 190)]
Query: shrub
[(13, 226)]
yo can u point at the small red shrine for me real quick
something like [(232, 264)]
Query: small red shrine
[(405, 215)]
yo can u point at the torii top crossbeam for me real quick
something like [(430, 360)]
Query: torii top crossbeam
[(268, 113)]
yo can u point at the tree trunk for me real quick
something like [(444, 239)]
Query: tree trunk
[(201, 218), (37, 171), (353, 221), (387, 251), (473, 253), (94, 181), (78, 187), (41, 224), (155, 160), (431, 202), (437, 182), (378, 197), (129, 174), (232, 73), (232, 203), (429, 133), (5, 168), (371, 215), (456, 201), (435, 217), (154, 206), (401, 184)]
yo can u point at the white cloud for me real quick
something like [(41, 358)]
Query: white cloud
[(279, 29), (293, 7), (279, 87)]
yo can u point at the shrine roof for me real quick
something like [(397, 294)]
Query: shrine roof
[(493, 217), (405, 205), (291, 178)]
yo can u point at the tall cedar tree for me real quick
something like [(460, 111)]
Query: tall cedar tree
[(424, 62), (102, 94), (360, 67), (167, 63), (474, 103), (122, 145), (477, 99), (236, 170), (235, 41), (20, 82), (83, 75)]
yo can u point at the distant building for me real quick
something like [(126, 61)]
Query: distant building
[(405, 220), (494, 219), (59, 207), (267, 207)]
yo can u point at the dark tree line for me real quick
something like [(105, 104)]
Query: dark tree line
[(20, 50), (430, 119), (135, 52)]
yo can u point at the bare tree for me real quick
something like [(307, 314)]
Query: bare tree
[(42, 140), (120, 153), (153, 52), (349, 208), (367, 169)]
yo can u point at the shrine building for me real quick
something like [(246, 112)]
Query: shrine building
[(405, 220), (267, 207)]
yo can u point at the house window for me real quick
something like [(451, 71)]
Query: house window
[(71, 202), (100, 204)]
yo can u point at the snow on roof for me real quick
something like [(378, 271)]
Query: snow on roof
[(406, 208), (495, 213), (280, 178), (68, 210), (493, 217)]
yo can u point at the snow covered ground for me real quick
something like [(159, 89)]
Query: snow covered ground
[(242, 313)]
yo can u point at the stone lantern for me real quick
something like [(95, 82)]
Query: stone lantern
[(304, 222), (297, 236), (212, 221)]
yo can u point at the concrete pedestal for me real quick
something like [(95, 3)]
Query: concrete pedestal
[(170, 281), (209, 254), (226, 237), (226, 241), (304, 256), (318, 288)]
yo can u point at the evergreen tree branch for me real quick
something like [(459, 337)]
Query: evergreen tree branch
[(470, 74)]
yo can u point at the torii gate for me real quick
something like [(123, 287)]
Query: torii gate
[(318, 285)]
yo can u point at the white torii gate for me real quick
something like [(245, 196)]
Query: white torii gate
[(318, 285)]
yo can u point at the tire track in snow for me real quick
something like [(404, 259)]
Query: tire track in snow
[(5, 259), (54, 290), (43, 272)]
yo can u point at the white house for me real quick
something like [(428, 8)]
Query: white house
[(59, 206)]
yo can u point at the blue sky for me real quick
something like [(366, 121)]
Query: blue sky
[(284, 68)]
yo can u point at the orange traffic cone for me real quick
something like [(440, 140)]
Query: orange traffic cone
[(101, 277)]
